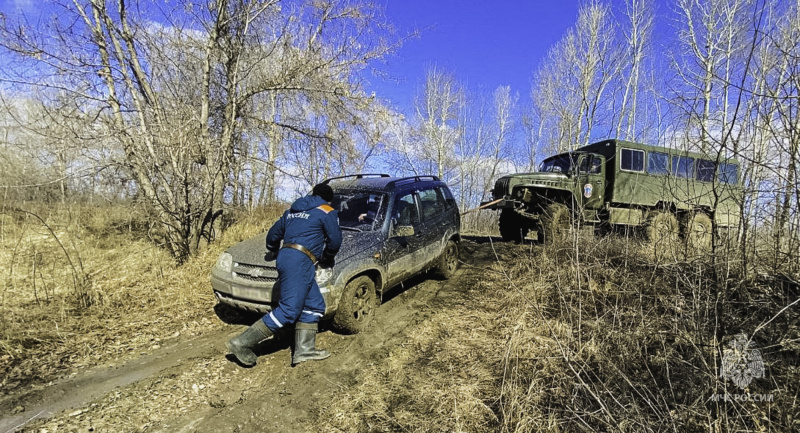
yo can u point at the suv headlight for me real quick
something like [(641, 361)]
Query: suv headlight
[(225, 262), (323, 275)]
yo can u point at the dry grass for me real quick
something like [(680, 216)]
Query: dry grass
[(84, 286), (609, 336)]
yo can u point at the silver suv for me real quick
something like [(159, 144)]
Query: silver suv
[(393, 228)]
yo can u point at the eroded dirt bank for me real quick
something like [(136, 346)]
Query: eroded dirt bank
[(189, 385)]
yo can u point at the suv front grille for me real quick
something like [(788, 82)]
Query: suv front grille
[(261, 274)]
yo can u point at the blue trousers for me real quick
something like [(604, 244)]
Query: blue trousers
[(300, 298)]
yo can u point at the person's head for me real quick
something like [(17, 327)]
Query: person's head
[(323, 191)]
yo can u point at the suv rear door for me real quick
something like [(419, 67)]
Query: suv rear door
[(435, 220)]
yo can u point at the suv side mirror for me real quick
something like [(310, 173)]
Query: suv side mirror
[(403, 231)]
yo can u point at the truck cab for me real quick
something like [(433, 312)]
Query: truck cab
[(569, 184)]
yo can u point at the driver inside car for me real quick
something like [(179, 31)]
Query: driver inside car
[(371, 210)]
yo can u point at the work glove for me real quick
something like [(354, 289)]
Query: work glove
[(270, 256)]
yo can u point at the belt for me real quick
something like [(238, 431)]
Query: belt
[(302, 249)]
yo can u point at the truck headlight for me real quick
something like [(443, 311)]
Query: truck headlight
[(323, 275), (225, 262)]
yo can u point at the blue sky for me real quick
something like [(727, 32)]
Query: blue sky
[(483, 43)]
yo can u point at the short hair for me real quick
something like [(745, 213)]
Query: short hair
[(323, 191)]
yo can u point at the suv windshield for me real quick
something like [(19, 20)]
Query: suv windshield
[(360, 210), (559, 164)]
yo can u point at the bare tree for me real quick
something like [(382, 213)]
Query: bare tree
[(504, 113), (571, 84), (716, 35), (437, 110), (637, 37), (179, 99)]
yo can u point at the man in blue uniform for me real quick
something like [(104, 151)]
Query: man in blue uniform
[(310, 233)]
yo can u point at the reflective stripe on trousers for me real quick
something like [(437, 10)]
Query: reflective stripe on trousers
[(300, 299)]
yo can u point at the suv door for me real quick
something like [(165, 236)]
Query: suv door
[(434, 221), (402, 253)]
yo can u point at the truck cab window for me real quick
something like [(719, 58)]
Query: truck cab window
[(590, 164), (559, 164)]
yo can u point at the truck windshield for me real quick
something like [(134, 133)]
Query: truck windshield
[(559, 164)]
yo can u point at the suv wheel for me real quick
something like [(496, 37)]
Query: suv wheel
[(448, 261), (357, 305)]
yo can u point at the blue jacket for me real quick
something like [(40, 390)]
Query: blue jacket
[(310, 222)]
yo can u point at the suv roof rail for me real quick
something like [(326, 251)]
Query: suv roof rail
[(356, 176), (411, 179)]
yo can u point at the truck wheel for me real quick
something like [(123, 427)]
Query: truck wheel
[(512, 226), (448, 262), (556, 222), (356, 306), (697, 231), (662, 228)]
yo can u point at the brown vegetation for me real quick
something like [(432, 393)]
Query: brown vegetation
[(605, 337), (83, 286)]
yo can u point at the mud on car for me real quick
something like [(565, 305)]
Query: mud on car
[(392, 228)]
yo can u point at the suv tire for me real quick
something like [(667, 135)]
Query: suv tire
[(356, 306), (448, 261)]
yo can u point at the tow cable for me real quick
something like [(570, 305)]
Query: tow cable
[(482, 206)]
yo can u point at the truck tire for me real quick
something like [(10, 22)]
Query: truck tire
[(556, 222), (448, 261), (697, 229), (357, 305), (512, 226), (662, 228)]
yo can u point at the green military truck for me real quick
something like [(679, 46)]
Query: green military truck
[(615, 182)]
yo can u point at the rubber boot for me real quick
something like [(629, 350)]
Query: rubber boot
[(305, 338), (242, 345)]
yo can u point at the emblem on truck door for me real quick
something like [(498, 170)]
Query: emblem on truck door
[(587, 190)]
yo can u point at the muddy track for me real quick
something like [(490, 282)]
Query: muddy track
[(189, 384)]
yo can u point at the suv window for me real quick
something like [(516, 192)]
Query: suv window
[(405, 210), (449, 200), (432, 203), (361, 210)]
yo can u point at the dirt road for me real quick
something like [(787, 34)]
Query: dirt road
[(188, 384)]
